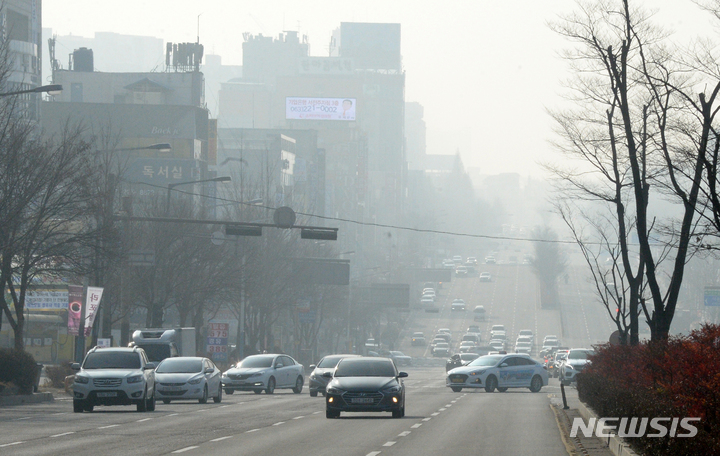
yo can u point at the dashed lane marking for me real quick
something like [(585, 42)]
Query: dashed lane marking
[(404, 434), (182, 450), (144, 419), (222, 438), (416, 425), (10, 444), (427, 419), (279, 423), (109, 426), (252, 430), (388, 444), (61, 435), (373, 453)]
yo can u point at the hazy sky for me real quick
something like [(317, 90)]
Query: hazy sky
[(485, 70)]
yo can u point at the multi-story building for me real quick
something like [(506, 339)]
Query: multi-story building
[(20, 31)]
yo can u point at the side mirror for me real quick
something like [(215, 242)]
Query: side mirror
[(402, 374), (75, 366), (209, 370), (504, 365), (327, 375), (278, 365), (312, 366), (150, 366)]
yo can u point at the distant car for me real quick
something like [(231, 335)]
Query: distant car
[(461, 271), (445, 336), (523, 347), (265, 372), (468, 357), (188, 378), (576, 361), (316, 382), (467, 347), (497, 344), (499, 372), (429, 292), (479, 313), (372, 343), (441, 349), (438, 340), (490, 260), (527, 339), (471, 337), (471, 260), (365, 385), (448, 264), (418, 339), (498, 335), (526, 333), (457, 304), (473, 329), (457, 259), (497, 328), (400, 358), (485, 277), (444, 330)]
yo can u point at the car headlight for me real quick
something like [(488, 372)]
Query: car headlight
[(81, 379), (195, 381), (256, 374), (135, 379), (333, 390), (478, 372), (392, 389)]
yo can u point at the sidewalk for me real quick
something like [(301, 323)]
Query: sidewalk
[(580, 445)]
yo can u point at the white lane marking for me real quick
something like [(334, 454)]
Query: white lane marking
[(404, 434), (416, 425), (144, 419), (63, 434), (23, 418), (388, 444), (109, 426), (184, 449), (223, 406), (10, 444), (427, 419), (435, 414), (173, 414), (298, 417), (442, 409), (61, 413), (222, 438), (202, 410), (315, 413), (279, 423), (251, 430), (374, 453)]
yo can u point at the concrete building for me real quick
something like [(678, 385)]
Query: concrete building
[(20, 31)]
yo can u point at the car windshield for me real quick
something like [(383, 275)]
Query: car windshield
[(179, 366), (397, 353), (365, 368), (156, 352), (329, 362), (486, 361), (579, 354), (256, 361), (112, 360), (552, 343)]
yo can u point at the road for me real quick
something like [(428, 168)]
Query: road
[(437, 420)]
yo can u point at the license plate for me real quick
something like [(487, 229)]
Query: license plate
[(171, 388), (107, 394), (362, 400), (456, 379)]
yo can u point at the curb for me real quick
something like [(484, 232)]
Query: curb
[(34, 398), (617, 445)]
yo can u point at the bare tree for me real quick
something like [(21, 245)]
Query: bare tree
[(638, 133)]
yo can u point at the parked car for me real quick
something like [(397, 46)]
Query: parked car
[(365, 385), (317, 382), (114, 376), (266, 372), (499, 372), (188, 377)]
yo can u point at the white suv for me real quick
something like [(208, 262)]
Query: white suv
[(114, 376)]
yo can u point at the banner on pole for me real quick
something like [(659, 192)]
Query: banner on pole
[(75, 296), (92, 302)]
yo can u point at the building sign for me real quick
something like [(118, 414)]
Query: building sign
[(320, 108), (75, 295), (217, 341), (326, 65), (162, 171), (47, 299), (92, 302)]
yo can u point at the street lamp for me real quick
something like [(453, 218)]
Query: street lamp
[(53, 89), (175, 184)]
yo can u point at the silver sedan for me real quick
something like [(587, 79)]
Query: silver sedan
[(188, 378)]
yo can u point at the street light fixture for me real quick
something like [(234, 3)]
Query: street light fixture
[(53, 89), (175, 184)]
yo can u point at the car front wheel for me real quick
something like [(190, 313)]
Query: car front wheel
[(217, 399), (204, 398), (270, 386), (456, 389), (229, 391), (536, 384), (78, 406), (332, 414), (491, 384), (313, 393)]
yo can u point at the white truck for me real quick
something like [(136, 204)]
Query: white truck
[(161, 343)]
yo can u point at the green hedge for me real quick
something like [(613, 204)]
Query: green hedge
[(18, 368)]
